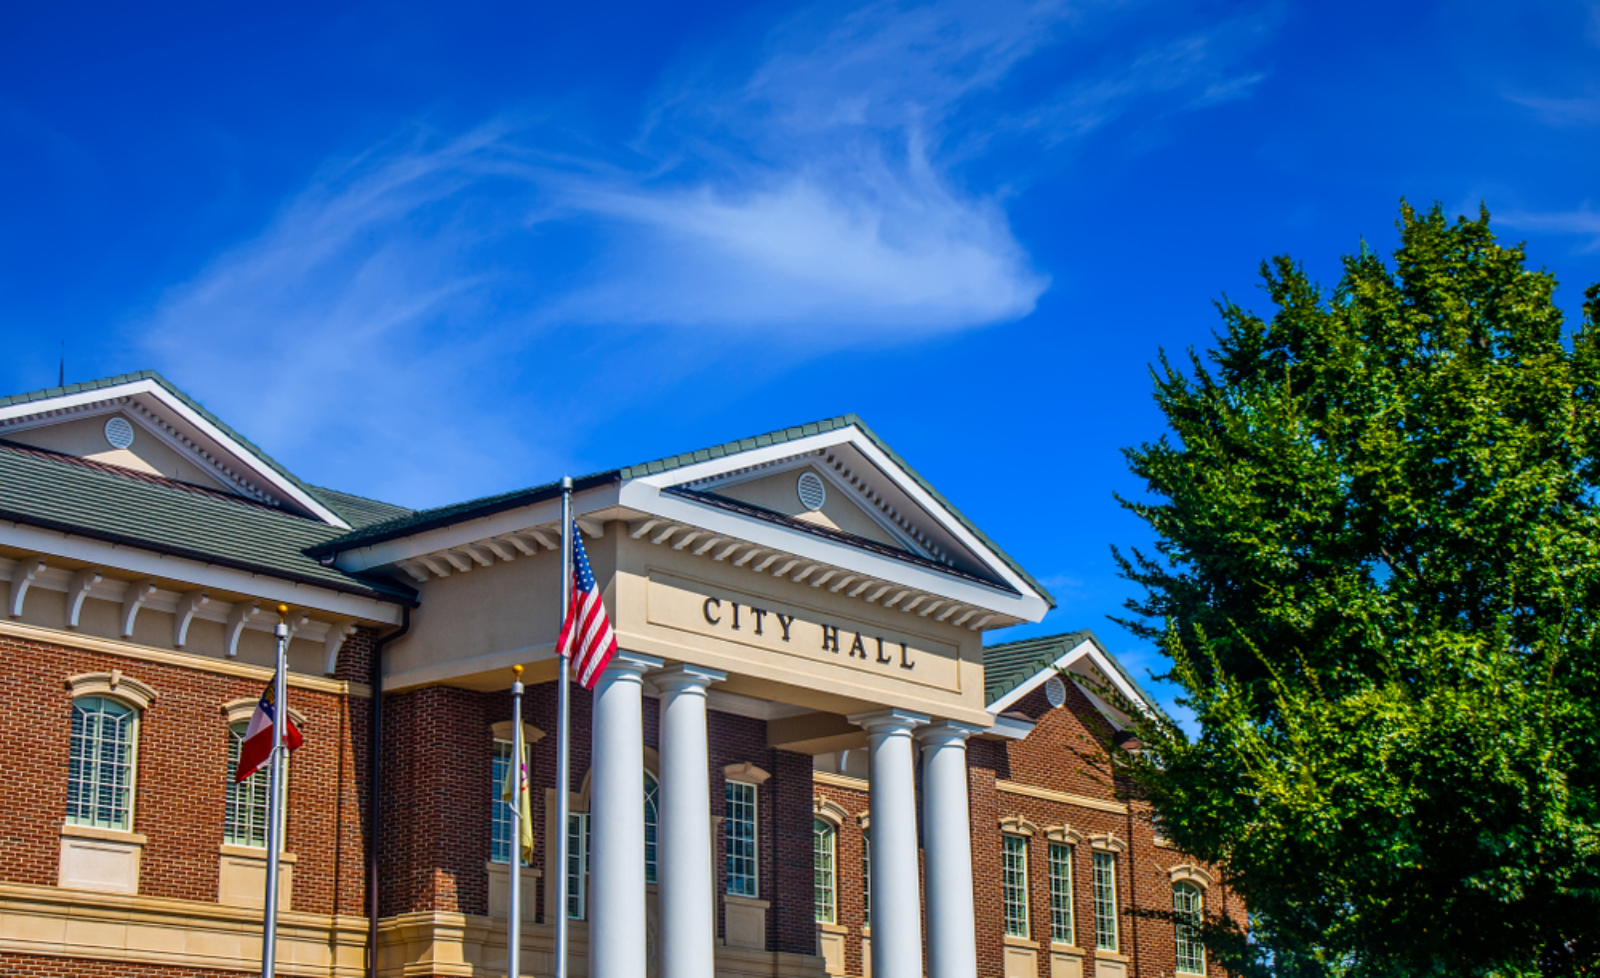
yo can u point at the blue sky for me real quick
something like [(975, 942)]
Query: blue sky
[(426, 252)]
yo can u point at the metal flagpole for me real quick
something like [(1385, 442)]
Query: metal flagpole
[(280, 716), (563, 731), (514, 962)]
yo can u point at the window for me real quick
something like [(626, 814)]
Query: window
[(500, 843), (741, 839), (1187, 904), (824, 871), (652, 818), (1105, 901), (1061, 893), (577, 864), (245, 818), (1014, 884), (101, 764), (866, 876)]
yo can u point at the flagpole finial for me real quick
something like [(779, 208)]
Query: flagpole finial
[(283, 611), (517, 670)]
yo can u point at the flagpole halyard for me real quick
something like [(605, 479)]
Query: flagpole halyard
[(280, 719), (563, 738)]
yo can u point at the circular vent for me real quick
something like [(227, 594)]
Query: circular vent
[(1055, 691), (812, 492), (119, 432)]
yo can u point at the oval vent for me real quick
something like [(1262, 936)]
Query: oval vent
[(119, 432), (812, 492), (1055, 691)]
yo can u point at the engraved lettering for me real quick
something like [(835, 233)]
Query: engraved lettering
[(905, 663), (785, 621), (858, 650), (881, 657), (760, 613), (735, 615), (830, 638), (705, 609)]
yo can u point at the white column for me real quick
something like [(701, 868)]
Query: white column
[(947, 842), (616, 820), (686, 887), (896, 907)]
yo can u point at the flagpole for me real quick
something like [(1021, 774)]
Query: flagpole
[(563, 738), (514, 961), (280, 716)]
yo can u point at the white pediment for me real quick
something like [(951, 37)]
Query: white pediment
[(143, 426)]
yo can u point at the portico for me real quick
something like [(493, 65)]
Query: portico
[(809, 594)]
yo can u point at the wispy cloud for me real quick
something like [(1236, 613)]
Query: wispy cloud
[(814, 198), (1583, 221), (1563, 111)]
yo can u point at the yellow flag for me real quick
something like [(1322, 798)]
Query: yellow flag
[(516, 787)]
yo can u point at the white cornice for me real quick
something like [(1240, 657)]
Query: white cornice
[(1084, 651)]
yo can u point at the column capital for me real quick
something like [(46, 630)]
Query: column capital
[(682, 675), (633, 664), (889, 721), (944, 732)]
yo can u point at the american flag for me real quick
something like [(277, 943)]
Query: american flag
[(586, 635)]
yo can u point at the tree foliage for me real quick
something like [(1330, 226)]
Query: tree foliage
[(1377, 574)]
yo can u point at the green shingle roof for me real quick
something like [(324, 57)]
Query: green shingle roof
[(193, 405), (474, 509), (1007, 665), (52, 491)]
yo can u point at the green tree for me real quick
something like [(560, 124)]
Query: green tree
[(1377, 574)]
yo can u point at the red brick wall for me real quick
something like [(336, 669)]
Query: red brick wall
[(180, 791), (33, 966), (848, 854)]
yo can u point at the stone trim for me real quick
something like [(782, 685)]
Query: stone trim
[(1018, 825), (114, 684), (103, 835), (1063, 797), (839, 781), (748, 773), (829, 811), (1063, 833), (1108, 842), (183, 660), (504, 731), (1189, 872), (242, 709)]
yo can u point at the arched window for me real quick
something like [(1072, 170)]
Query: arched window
[(100, 768), (245, 819), (652, 816), (825, 871), (1188, 905)]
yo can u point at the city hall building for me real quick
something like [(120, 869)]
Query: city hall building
[(805, 759)]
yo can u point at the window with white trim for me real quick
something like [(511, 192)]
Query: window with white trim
[(1188, 906), (577, 865), (500, 843), (245, 817), (1014, 884), (1105, 901), (652, 820), (824, 871), (740, 827), (1061, 893), (101, 762)]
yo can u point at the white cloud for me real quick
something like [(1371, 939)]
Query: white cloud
[(1584, 221), (1563, 111)]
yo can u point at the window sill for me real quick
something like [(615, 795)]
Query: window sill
[(1111, 956), (1021, 942), (744, 901), (71, 831), (1071, 949), (832, 928), (251, 852)]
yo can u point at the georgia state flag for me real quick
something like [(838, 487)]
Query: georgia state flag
[(257, 746)]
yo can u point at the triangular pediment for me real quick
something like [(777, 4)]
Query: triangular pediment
[(144, 425)]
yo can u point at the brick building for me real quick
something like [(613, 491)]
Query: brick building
[(804, 721)]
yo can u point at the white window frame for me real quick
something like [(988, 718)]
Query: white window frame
[(577, 855), (1188, 934), (652, 827), (738, 881), (1014, 881), (258, 783), (1063, 922), (1106, 935), (866, 876), (500, 810), (130, 788), (824, 878)]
